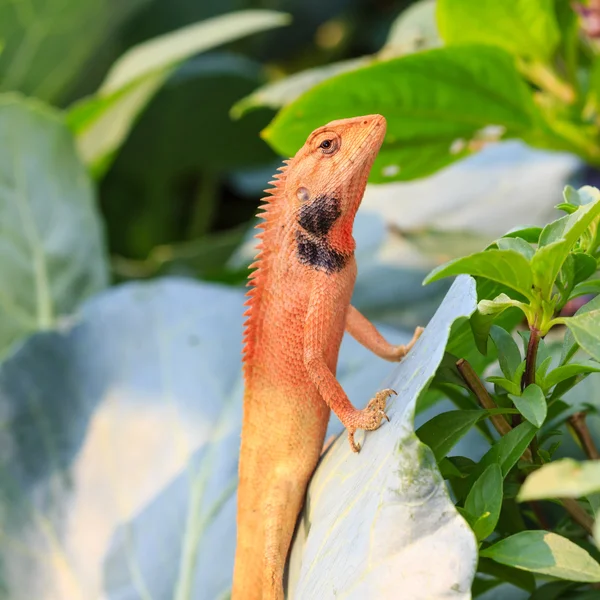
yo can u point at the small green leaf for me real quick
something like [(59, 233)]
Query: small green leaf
[(566, 207), (522, 579), (586, 287), (569, 343), (529, 234), (556, 241), (584, 195), (565, 478), (499, 304), (509, 355), (485, 501), (531, 404), (444, 431), (517, 244), (585, 266), (510, 386), (503, 266), (547, 553), (540, 372), (569, 370), (508, 449), (585, 328)]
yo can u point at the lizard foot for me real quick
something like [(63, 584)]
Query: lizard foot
[(369, 418), (402, 350)]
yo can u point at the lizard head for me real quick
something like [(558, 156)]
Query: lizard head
[(326, 180)]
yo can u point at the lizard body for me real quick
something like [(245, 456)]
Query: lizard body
[(299, 307)]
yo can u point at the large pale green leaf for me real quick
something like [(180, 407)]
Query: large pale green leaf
[(102, 122), (435, 101), (496, 23), (564, 478), (507, 267), (391, 491), (52, 254), (47, 42), (122, 434), (547, 553)]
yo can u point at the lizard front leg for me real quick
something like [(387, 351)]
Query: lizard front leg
[(366, 334), (319, 331)]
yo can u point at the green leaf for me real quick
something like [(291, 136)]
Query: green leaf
[(517, 244), (52, 253), (47, 46), (485, 501), (547, 553), (532, 404), (499, 304), (585, 328), (565, 478), (516, 577), (503, 266), (508, 449), (586, 287), (436, 103), (529, 234), (586, 194), (508, 384), (556, 241), (585, 266), (495, 23), (570, 344), (509, 355), (102, 122), (566, 371), (442, 432)]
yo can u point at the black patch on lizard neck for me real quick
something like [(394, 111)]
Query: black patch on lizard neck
[(317, 217), (316, 252)]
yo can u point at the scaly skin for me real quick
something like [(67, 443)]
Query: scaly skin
[(299, 307)]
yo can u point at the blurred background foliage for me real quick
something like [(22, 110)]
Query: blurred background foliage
[(136, 139)]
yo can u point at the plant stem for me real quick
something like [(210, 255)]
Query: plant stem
[(578, 514), (577, 422), (531, 358), (476, 386), (549, 81)]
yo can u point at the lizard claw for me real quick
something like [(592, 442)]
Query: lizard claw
[(370, 418)]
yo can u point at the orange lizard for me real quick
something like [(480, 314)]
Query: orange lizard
[(299, 306)]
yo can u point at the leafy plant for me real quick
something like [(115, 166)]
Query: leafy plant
[(535, 272)]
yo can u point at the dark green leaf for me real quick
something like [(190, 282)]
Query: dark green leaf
[(508, 449), (444, 431), (547, 553), (436, 102), (529, 234), (509, 355), (585, 266), (485, 501), (522, 579), (531, 404)]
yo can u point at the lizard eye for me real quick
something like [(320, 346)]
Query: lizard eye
[(329, 146), (303, 194)]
